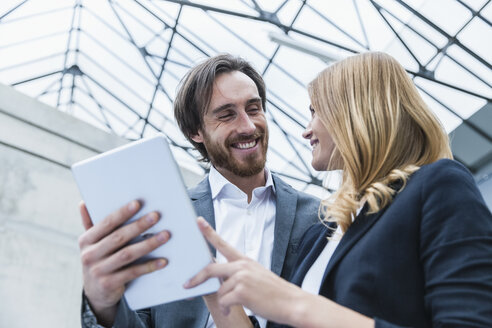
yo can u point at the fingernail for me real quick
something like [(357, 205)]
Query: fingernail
[(202, 222), (133, 206), (187, 284), (161, 263), (162, 236), (152, 217)]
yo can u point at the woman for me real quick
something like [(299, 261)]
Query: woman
[(413, 239)]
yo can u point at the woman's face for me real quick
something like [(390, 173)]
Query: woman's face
[(321, 141)]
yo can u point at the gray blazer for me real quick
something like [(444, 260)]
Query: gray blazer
[(295, 213)]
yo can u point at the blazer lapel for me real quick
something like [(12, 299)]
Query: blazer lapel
[(201, 198), (315, 248), (284, 219), (359, 227)]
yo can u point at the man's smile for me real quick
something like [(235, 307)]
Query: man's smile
[(245, 144)]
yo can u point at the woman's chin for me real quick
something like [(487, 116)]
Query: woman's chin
[(318, 166)]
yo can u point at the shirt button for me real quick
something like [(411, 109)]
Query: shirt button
[(248, 212)]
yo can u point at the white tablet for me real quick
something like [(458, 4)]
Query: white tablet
[(146, 170)]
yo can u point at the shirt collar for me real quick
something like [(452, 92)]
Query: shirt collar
[(218, 182)]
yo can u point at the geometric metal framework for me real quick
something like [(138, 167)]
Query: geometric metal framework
[(117, 64), (472, 148)]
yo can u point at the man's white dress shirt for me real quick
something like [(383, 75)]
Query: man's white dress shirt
[(249, 228)]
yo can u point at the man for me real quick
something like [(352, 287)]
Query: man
[(220, 108)]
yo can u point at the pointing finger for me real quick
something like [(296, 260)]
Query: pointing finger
[(229, 252), (218, 270)]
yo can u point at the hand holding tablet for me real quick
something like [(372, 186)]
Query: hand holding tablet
[(146, 171)]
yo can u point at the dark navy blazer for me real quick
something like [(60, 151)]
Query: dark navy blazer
[(424, 261)]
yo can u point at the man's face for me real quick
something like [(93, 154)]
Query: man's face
[(235, 131)]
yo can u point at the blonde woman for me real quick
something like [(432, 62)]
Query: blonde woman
[(406, 241)]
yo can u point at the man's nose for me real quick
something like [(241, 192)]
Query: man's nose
[(245, 124)]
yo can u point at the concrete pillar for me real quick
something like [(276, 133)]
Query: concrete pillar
[(40, 273)]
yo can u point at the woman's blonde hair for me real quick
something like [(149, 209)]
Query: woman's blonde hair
[(382, 130)]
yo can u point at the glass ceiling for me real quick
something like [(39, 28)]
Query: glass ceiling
[(117, 64)]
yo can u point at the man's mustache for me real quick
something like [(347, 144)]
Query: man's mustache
[(245, 137)]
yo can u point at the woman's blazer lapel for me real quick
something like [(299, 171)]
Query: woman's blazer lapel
[(314, 241), (361, 225)]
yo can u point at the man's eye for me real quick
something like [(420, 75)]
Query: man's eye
[(253, 110), (225, 117)]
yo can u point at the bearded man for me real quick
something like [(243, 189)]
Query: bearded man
[(220, 108)]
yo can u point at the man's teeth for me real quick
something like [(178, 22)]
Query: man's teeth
[(246, 145)]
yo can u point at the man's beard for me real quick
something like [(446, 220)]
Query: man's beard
[(221, 156)]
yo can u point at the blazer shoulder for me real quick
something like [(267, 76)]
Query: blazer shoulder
[(446, 175), (279, 183), (451, 205), (203, 187), (306, 204), (444, 169)]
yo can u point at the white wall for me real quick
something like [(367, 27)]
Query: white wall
[(40, 275)]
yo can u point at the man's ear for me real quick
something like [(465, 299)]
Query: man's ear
[(198, 138)]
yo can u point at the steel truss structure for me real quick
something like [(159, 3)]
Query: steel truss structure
[(117, 64)]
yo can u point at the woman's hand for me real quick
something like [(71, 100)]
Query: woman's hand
[(236, 317), (246, 282)]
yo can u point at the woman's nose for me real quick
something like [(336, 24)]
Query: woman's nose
[(308, 132)]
